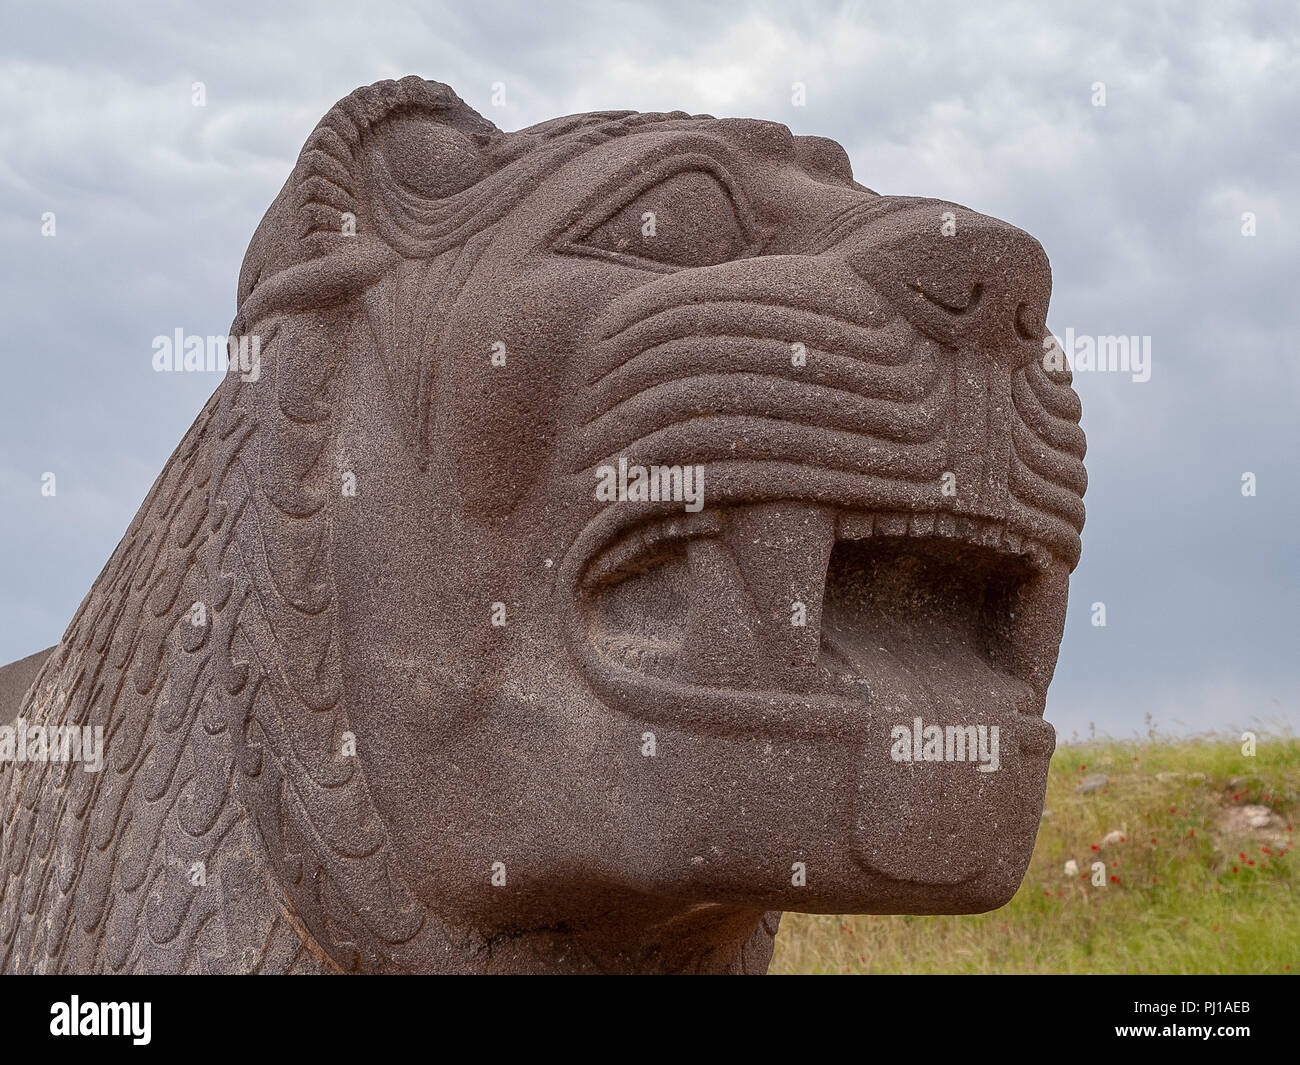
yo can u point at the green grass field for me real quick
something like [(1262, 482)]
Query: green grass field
[(1191, 885)]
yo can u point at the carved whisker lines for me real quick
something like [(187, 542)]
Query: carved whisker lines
[(753, 438), (1057, 430), (1060, 441), (1045, 477), (767, 396), (1033, 488), (871, 340), (1052, 391), (689, 356), (1051, 464)]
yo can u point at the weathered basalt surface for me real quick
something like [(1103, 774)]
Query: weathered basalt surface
[(401, 666)]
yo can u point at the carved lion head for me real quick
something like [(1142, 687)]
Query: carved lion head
[(676, 529)]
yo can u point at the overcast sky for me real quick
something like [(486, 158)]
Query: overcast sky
[(1139, 204)]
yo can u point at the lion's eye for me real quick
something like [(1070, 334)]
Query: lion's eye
[(685, 220)]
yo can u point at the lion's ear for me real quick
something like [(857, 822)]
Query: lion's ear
[(376, 170), (430, 159)]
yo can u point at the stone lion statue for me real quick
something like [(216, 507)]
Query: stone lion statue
[(632, 528)]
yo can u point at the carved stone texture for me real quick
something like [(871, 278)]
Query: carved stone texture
[(463, 695)]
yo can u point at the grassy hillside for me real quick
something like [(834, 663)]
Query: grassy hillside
[(1200, 876)]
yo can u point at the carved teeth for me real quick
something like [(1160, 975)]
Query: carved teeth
[(984, 532), (891, 524), (783, 550), (721, 644), (855, 525), (756, 596)]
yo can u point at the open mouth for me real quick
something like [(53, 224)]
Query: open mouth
[(787, 609)]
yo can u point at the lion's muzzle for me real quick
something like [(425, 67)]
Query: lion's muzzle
[(892, 504)]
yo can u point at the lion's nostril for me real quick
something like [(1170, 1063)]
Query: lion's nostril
[(972, 281)]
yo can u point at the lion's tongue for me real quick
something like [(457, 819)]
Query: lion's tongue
[(756, 604), (942, 682)]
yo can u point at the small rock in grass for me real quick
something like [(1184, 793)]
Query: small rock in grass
[(1256, 822), (1093, 782)]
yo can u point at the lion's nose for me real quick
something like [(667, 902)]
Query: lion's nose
[(963, 278)]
